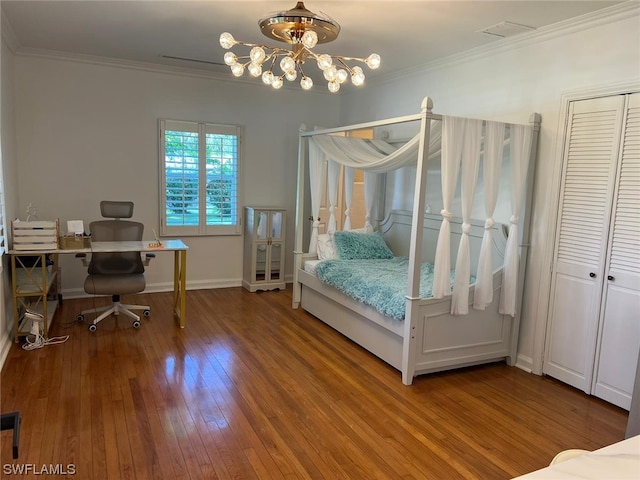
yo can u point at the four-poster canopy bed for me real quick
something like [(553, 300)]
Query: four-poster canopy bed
[(432, 318)]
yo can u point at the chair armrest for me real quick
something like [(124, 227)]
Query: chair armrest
[(147, 258), (83, 258)]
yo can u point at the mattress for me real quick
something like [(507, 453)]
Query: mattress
[(379, 283), (310, 266)]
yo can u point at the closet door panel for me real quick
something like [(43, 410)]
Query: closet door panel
[(572, 337), (620, 341), (620, 336), (591, 155)]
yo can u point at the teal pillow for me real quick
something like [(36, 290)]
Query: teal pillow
[(354, 245)]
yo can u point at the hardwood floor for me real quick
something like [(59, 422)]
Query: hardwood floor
[(252, 389)]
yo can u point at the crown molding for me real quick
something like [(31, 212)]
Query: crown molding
[(615, 13), (117, 63), (143, 66)]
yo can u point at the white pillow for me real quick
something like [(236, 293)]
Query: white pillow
[(326, 250)]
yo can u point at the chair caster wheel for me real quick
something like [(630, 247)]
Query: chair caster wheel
[(92, 328), (136, 323), (80, 318), (146, 313)]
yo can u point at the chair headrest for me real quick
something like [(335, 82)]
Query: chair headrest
[(111, 209)]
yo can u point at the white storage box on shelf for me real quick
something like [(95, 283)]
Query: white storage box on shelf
[(35, 235)]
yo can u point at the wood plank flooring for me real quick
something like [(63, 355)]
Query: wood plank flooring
[(252, 389)]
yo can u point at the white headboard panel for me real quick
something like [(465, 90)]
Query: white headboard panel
[(396, 229)]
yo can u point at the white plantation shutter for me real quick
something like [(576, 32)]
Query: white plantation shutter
[(199, 178)]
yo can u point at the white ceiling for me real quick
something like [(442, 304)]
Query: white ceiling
[(404, 33)]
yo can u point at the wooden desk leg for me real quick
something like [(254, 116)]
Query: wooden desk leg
[(180, 286)]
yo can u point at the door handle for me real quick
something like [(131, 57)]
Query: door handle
[(611, 278), (592, 275)]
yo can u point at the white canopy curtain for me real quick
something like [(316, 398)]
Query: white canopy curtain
[(491, 166), (370, 192), (452, 128), (349, 176), (470, 164), (333, 175), (372, 156), (520, 144), (316, 170)]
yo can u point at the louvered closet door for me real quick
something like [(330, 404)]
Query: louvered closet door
[(619, 340), (591, 155)]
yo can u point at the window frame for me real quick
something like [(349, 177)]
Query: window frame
[(202, 129)]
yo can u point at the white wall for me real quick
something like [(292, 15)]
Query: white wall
[(88, 132), (508, 84), (10, 175)]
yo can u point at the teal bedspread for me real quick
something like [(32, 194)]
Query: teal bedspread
[(381, 284)]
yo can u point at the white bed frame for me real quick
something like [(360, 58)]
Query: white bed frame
[(430, 338), (443, 341)]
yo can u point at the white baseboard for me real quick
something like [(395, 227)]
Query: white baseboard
[(164, 287), (524, 363), (5, 346)]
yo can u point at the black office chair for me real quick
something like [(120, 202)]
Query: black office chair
[(115, 273)]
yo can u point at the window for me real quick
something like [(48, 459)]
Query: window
[(199, 165)]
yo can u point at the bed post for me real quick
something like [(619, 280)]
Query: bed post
[(534, 120), (415, 249), (299, 225)]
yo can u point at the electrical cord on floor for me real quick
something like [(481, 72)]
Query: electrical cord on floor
[(39, 341), (36, 330)]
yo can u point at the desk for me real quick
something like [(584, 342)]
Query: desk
[(37, 280)]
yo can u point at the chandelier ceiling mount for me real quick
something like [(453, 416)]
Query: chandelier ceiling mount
[(302, 30)]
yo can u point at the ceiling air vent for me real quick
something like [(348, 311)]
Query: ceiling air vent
[(505, 29)]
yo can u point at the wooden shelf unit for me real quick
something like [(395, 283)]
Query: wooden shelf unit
[(36, 281)]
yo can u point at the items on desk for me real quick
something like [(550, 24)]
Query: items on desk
[(75, 228), (157, 243), (76, 238), (35, 235), (74, 243)]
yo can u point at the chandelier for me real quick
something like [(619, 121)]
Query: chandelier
[(302, 29)]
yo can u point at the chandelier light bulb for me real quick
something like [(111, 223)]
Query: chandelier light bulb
[(230, 58), (257, 55), (357, 76), (331, 73), (309, 39), (227, 41), (342, 75), (333, 87), (255, 69), (306, 83), (267, 77), (324, 61), (277, 82), (287, 64), (373, 61), (237, 69), (291, 75)]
